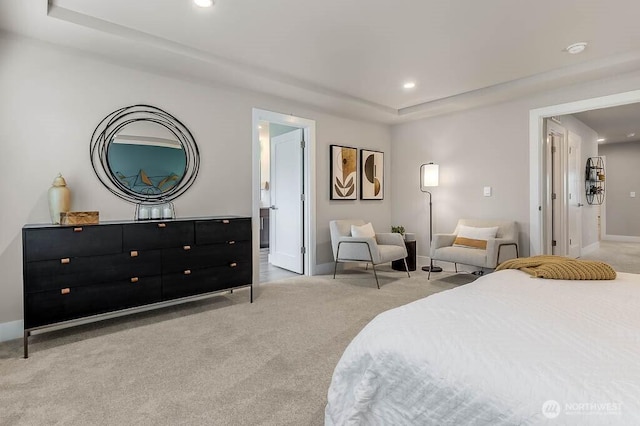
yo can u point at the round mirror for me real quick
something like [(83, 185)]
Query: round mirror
[(143, 154)]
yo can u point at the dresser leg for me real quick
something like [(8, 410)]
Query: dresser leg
[(251, 291), (26, 344)]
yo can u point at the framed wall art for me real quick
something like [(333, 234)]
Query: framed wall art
[(343, 173), (371, 175)]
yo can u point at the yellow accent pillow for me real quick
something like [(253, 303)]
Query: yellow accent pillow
[(471, 237)]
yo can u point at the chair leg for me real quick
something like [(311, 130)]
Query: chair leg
[(456, 266), (430, 267), (373, 266), (406, 267), (366, 266), (335, 267)]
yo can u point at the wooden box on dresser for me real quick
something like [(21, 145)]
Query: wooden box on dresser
[(74, 272)]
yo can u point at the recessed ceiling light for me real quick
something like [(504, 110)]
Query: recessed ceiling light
[(203, 3), (409, 85), (576, 48), (600, 139), (630, 135)]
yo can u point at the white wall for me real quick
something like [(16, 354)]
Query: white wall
[(474, 149), (486, 146), (52, 99), (622, 174), (588, 148)]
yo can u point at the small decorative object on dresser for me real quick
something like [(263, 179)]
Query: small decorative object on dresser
[(74, 272), (59, 198), (79, 218)]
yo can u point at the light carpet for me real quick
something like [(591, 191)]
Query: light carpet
[(219, 361)]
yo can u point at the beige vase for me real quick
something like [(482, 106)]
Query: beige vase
[(59, 198)]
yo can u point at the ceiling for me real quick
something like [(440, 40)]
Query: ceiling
[(614, 124), (351, 56)]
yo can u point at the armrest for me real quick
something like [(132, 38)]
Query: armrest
[(363, 249), (494, 250), (390, 239), (442, 240)]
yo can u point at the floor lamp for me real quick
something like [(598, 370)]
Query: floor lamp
[(429, 178)]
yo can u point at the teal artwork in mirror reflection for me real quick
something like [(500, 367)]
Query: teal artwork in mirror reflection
[(146, 158)]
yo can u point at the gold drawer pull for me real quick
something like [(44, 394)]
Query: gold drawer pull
[(135, 279), (187, 272), (134, 253), (225, 221), (231, 242), (65, 291), (233, 264), (162, 225), (78, 229), (187, 247), (65, 260)]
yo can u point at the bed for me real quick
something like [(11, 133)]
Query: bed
[(506, 349)]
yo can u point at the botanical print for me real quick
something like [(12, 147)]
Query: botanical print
[(343, 173), (371, 175)]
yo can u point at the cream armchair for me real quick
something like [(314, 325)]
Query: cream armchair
[(384, 248), (503, 247)]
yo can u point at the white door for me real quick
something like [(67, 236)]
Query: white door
[(575, 195), (286, 237), (557, 155)]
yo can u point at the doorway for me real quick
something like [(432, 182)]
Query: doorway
[(283, 202), (540, 236)]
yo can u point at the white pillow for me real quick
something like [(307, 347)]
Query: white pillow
[(469, 236), (365, 230)]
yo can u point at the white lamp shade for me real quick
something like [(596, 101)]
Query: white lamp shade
[(429, 175)]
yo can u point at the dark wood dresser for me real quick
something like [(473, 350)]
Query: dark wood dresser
[(73, 272)]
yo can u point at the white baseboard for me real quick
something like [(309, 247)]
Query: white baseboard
[(11, 330), (623, 238), (590, 248)]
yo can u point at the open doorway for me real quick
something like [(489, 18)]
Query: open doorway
[(283, 201), (541, 171)]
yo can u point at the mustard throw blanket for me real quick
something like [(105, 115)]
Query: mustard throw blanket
[(560, 268)]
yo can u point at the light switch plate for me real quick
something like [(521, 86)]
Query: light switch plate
[(487, 191), (632, 194)]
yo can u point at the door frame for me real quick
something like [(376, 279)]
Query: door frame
[(559, 184), (537, 173), (579, 188), (308, 127)]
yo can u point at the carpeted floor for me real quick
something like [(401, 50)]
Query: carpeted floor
[(219, 361), (623, 256)]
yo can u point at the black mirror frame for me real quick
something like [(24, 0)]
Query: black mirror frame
[(111, 125)]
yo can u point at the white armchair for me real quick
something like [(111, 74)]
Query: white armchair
[(503, 247), (382, 248)]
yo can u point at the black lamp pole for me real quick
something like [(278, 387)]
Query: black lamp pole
[(430, 267)]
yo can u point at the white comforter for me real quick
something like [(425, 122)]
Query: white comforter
[(494, 352)]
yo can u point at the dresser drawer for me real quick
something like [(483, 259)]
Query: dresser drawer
[(200, 257), (75, 302), (141, 236), (205, 280), (223, 230), (79, 271), (58, 243)]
